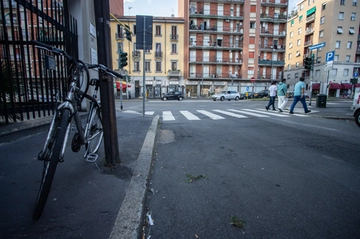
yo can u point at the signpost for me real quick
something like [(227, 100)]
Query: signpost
[(317, 46), (328, 66)]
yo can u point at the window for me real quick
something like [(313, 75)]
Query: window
[(291, 34), (347, 58), (174, 32), (158, 31), (339, 30), (136, 66), (334, 72), (349, 45), (252, 25), (297, 53), (317, 73), (354, 2), (173, 49), (147, 66), (346, 72), (290, 45), (353, 16), (299, 30), (301, 6), (299, 42), (336, 58), (252, 8), (300, 18), (296, 75), (297, 64), (342, 2), (351, 31), (134, 29), (341, 15), (158, 66), (119, 31), (321, 34), (323, 6), (290, 56), (322, 20), (174, 65), (337, 44)]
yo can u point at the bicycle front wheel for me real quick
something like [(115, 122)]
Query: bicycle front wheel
[(95, 132), (50, 163)]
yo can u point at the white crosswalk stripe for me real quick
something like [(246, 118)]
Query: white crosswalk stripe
[(168, 116), (230, 113), (188, 115), (267, 113), (249, 113), (149, 112), (210, 115)]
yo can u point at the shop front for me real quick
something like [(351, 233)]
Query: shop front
[(334, 89)]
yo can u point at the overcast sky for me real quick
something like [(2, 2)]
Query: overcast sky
[(163, 8)]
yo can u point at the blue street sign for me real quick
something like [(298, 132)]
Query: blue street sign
[(247, 88), (356, 74), (316, 46), (330, 56)]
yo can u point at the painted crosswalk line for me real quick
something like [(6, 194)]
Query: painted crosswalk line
[(267, 113), (249, 113), (230, 114), (188, 115), (168, 116), (210, 115)]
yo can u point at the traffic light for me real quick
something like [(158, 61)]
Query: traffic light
[(123, 59), (353, 80), (308, 63), (127, 33)]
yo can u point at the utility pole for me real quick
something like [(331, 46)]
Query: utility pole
[(111, 145)]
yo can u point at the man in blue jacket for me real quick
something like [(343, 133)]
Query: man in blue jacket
[(299, 95)]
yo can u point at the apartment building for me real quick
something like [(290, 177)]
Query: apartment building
[(233, 44), (164, 63), (334, 24)]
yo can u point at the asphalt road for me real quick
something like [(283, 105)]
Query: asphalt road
[(281, 177)]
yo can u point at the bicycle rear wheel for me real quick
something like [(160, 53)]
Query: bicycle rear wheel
[(95, 132), (50, 163)]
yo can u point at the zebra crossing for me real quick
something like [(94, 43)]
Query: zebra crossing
[(217, 114)]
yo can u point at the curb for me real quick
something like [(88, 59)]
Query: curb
[(128, 222)]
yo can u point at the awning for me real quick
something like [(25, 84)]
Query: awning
[(310, 11), (346, 86), (315, 86), (123, 85), (357, 85), (334, 86)]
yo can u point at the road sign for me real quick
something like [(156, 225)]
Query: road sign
[(316, 46), (247, 88), (329, 60), (356, 74), (252, 79)]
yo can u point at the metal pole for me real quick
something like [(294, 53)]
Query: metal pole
[(121, 95), (202, 73), (144, 47), (111, 145)]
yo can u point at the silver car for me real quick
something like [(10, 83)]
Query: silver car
[(226, 95)]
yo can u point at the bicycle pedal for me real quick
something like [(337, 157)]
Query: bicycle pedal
[(92, 158)]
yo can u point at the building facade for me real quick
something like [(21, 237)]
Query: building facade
[(335, 25), (164, 63), (233, 44)]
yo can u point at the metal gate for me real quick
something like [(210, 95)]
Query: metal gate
[(30, 78)]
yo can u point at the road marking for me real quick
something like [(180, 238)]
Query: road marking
[(248, 113), (188, 115), (231, 114), (149, 112), (210, 115), (267, 113), (167, 116)]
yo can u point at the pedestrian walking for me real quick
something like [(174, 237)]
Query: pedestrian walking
[(272, 95), (299, 95), (282, 95)]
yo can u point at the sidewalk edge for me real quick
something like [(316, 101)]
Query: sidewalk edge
[(129, 219)]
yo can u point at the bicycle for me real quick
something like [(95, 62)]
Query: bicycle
[(90, 135)]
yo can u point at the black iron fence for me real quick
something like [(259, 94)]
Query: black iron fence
[(30, 77)]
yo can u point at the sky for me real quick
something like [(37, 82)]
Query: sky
[(163, 8)]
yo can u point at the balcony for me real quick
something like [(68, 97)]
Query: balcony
[(216, 61), (158, 55), (136, 55), (221, 1), (119, 36), (279, 18), (174, 37), (272, 48), (225, 15), (174, 73), (267, 62), (310, 18), (271, 33), (309, 30), (215, 76), (275, 3)]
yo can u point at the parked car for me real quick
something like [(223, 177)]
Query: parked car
[(290, 94), (261, 94), (250, 95), (226, 95), (356, 110), (173, 95)]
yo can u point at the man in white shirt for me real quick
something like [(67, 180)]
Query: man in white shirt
[(272, 94)]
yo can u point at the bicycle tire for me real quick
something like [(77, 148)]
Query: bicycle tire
[(50, 164), (84, 77), (95, 133)]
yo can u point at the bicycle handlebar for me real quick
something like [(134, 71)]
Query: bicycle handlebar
[(106, 70), (52, 49)]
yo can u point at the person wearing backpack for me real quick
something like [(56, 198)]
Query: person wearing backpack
[(282, 95)]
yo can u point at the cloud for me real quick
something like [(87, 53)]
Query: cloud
[(129, 1)]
